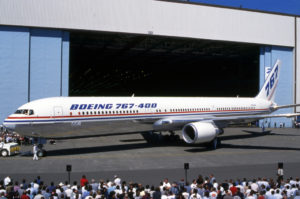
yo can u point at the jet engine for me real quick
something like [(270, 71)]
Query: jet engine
[(200, 132)]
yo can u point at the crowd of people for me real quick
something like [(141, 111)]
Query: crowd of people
[(7, 137), (200, 188)]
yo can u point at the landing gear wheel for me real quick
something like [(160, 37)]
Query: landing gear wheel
[(41, 153), (215, 143), (4, 153)]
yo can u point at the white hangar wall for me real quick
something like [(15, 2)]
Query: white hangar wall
[(151, 17)]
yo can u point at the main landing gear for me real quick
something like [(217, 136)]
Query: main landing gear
[(40, 144), (215, 143)]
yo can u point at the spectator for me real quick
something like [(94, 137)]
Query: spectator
[(7, 180), (117, 180), (227, 195), (2, 196), (266, 189), (195, 195), (83, 181), (24, 195)]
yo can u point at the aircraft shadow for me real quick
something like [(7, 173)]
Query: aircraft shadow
[(231, 146), (91, 136), (251, 134), (234, 146), (177, 143), (109, 148)]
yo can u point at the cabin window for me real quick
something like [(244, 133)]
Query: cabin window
[(71, 113), (78, 113), (82, 113)]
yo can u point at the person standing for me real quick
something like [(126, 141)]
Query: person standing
[(35, 150), (280, 173)]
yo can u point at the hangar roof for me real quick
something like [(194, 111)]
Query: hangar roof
[(152, 17)]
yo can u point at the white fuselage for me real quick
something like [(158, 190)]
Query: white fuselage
[(76, 116)]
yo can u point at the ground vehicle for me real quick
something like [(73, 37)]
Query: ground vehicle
[(8, 149)]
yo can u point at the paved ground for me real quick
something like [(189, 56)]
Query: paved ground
[(245, 152)]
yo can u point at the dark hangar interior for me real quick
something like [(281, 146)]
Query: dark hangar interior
[(116, 64)]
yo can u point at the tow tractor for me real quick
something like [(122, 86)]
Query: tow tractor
[(9, 149)]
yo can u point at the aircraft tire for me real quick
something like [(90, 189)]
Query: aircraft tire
[(215, 143), (41, 153)]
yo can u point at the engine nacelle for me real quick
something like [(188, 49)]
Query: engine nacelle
[(199, 132)]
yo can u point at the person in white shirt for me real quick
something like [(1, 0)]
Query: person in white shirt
[(117, 180), (68, 191), (185, 194), (195, 195), (213, 194), (171, 196), (7, 180), (35, 150), (2, 190), (166, 183), (277, 194), (251, 195), (254, 186), (194, 184)]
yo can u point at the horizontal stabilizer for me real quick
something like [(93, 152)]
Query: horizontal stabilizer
[(285, 106)]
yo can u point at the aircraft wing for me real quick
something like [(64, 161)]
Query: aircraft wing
[(221, 122)]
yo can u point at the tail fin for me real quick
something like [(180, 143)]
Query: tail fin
[(267, 92)]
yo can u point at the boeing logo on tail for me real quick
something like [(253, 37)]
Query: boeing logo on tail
[(271, 82), (268, 90)]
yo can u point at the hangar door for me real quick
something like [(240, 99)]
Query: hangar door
[(111, 64)]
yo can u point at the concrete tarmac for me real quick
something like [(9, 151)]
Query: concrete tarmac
[(245, 152)]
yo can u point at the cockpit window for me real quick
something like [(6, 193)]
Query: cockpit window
[(18, 112), (24, 111)]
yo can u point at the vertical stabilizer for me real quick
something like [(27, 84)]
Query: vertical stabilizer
[(267, 92)]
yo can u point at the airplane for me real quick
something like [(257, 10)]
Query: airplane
[(201, 119)]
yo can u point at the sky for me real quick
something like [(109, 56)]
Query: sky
[(280, 6)]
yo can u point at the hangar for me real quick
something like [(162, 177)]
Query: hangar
[(142, 47)]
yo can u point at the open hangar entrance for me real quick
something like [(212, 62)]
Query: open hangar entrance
[(118, 64)]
